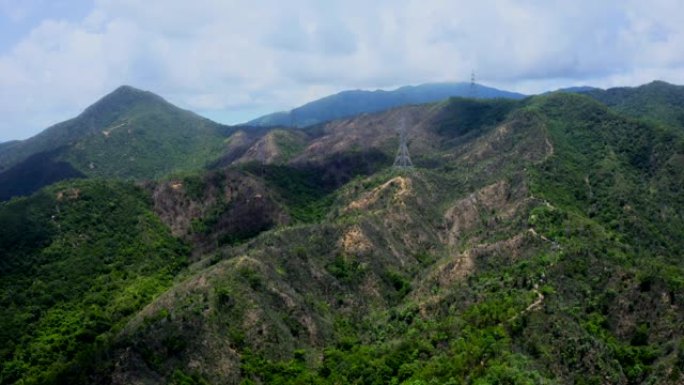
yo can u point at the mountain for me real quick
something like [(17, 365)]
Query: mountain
[(129, 133), (537, 241), (657, 101), (349, 103)]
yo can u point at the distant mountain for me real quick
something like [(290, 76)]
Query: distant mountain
[(657, 101), (350, 103), (577, 89), (127, 134)]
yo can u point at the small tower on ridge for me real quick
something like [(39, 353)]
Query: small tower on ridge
[(473, 87)]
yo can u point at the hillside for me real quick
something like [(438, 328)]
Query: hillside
[(536, 242), (657, 101), (77, 260), (350, 103), (4, 146), (126, 134)]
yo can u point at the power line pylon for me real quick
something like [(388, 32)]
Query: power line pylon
[(473, 86), (403, 159)]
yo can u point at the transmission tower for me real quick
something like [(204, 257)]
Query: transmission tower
[(402, 160), (473, 86)]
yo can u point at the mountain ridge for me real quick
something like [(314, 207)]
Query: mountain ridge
[(114, 136), (354, 102), (657, 101)]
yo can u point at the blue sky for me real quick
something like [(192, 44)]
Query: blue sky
[(235, 60)]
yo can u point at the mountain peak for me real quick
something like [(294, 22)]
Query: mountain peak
[(131, 94), (658, 84), (126, 121), (126, 89), (122, 99)]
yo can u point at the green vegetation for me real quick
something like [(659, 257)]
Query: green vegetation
[(78, 259), (657, 102), (303, 192), (461, 116), (455, 345), (290, 143), (541, 243)]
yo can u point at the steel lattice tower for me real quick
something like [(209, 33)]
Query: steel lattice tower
[(403, 159), (473, 86)]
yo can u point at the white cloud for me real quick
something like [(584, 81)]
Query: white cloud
[(217, 56)]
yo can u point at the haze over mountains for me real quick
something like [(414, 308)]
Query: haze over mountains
[(537, 240)]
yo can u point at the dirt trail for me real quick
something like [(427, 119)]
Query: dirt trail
[(536, 304), (533, 306), (109, 130), (396, 189)]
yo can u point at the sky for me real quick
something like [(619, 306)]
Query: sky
[(232, 60)]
